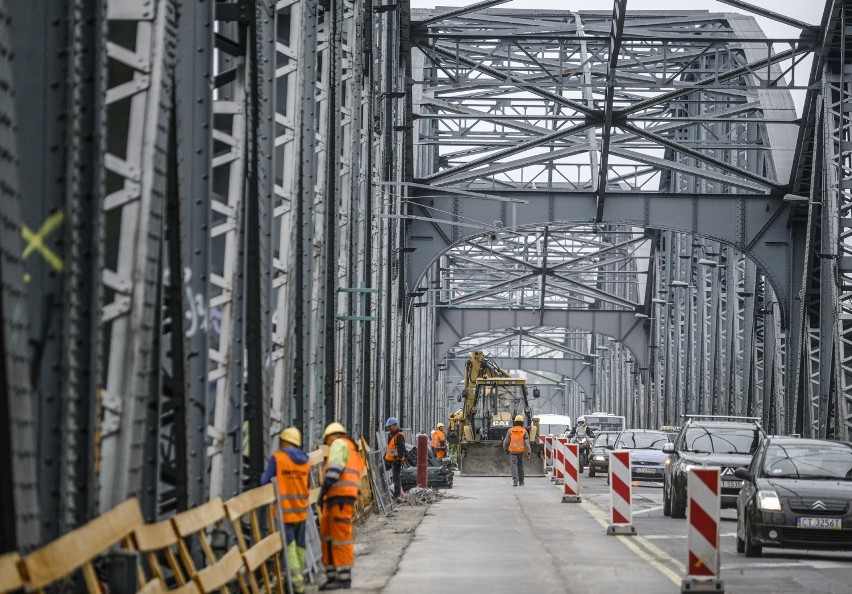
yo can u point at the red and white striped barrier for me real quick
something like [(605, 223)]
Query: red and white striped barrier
[(548, 455), (702, 538), (621, 493), (571, 458), (559, 459)]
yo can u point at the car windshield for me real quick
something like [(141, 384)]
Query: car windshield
[(644, 440), (605, 439), (721, 440), (808, 461)]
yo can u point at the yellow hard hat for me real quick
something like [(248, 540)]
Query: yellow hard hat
[(440, 425), (291, 435), (519, 419), (333, 428)]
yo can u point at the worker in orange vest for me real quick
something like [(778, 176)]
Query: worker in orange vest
[(291, 467), (395, 454), (340, 488), (517, 444), (439, 442)]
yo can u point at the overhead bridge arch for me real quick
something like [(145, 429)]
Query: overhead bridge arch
[(754, 224), (453, 325)]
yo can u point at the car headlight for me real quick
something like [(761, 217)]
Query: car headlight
[(768, 501), (598, 457), (685, 467)]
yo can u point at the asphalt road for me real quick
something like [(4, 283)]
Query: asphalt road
[(499, 538)]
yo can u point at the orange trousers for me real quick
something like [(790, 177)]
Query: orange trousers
[(338, 549)]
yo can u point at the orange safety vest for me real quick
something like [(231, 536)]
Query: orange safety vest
[(392, 453), (437, 438), (516, 440), (292, 488), (348, 484)]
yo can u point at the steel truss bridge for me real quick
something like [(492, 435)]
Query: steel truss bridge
[(223, 217)]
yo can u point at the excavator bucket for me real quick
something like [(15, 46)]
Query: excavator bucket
[(487, 458)]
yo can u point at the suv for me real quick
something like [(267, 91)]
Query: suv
[(727, 442)]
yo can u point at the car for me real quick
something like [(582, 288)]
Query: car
[(726, 442), (600, 453), (796, 493), (647, 458)]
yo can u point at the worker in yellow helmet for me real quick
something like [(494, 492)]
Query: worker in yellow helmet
[(439, 442), (517, 444), (291, 467), (340, 488)]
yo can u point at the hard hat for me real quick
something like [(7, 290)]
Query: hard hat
[(291, 435), (581, 420), (391, 421), (333, 428), (519, 418), (440, 425)]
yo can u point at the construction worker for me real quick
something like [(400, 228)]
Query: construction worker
[(340, 488), (291, 468), (395, 454), (439, 442), (517, 443)]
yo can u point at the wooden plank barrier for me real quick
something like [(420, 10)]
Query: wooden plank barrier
[(79, 548), (264, 550)]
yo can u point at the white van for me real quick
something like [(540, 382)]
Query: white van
[(553, 424)]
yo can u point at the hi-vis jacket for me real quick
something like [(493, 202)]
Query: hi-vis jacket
[(345, 464), (292, 487), (517, 440)]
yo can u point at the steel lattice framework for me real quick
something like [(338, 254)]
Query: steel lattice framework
[(223, 217)]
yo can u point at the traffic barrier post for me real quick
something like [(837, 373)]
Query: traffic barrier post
[(702, 538), (548, 457), (621, 494), (559, 459), (571, 457)]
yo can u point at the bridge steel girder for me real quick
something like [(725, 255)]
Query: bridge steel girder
[(754, 224), (455, 324)]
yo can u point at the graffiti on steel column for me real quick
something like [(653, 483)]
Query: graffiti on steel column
[(196, 313), (36, 242)]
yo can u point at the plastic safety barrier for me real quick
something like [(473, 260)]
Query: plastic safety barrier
[(621, 494), (702, 537), (571, 472)]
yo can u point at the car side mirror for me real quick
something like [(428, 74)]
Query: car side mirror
[(536, 393), (742, 473), (668, 448), (609, 446)]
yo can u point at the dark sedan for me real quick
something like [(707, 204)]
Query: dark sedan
[(600, 453), (796, 493)]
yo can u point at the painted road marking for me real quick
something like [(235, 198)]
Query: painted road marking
[(811, 564), (630, 544)]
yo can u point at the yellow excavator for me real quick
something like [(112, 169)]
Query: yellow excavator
[(492, 398)]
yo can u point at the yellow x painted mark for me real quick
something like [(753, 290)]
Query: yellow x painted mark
[(35, 241)]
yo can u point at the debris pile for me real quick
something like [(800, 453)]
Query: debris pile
[(418, 496)]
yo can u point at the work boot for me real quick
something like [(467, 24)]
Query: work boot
[(336, 585), (521, 484), (514, 483)]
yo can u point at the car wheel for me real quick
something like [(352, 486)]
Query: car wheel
[(740, 545), (591, 471), (749, 548), (678, 509), (667, 502)]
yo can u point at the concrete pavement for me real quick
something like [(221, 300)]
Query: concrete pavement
[(498, 538)]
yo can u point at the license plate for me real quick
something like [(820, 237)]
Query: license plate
[(731, 485), (821, 523), (641, 470)]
